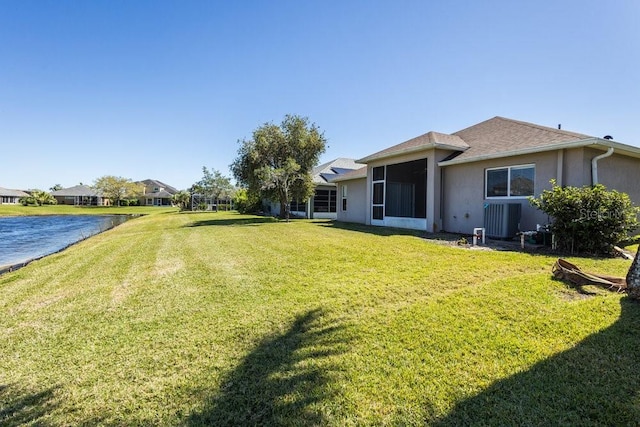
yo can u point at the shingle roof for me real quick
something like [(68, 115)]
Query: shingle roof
[(428, 140), (324, 173), (162, 194), (499, 134), (490, 138), (12, 193), (78, 190), (354, 174), (160, 184)]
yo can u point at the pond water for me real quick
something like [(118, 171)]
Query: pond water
[(23, 238)]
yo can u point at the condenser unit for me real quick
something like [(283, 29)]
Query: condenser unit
[(502, 220)]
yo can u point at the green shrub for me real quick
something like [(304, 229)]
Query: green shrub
[(588, 219), (246, 202)]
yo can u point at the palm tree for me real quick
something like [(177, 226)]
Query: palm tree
[(181, 199), (43, 198)]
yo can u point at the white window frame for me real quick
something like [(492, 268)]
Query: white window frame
[(382, 181), (343, 203), (508, 168)]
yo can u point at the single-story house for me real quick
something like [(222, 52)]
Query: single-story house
[(80, 195), (12, 197), (324, 202), (481, 176), (156, 193)]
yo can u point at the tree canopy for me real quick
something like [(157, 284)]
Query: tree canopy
[(38, 198), (181, 199), (276, 163), (117, 188), (213, 185)]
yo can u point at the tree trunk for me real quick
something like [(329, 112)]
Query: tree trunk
[(633, 278), (284, 212)]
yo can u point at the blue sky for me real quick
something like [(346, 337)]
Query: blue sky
[(158, 89)]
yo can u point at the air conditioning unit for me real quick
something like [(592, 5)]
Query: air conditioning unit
[(502, 220)]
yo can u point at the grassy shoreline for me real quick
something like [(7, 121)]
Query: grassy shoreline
[(15, 210), (221, 318)]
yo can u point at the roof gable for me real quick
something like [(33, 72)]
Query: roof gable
[(422, 142), (159, 184), (502, 135)]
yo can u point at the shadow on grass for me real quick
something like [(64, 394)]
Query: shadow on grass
[(283, 381), (595, 383), (384, 231), (19, 407), (233, 221)]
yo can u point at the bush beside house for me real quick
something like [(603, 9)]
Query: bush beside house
[(589, 219)]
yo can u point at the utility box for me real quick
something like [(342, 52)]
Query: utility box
[(502, 220)]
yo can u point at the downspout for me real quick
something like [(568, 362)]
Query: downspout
[(594, 165)]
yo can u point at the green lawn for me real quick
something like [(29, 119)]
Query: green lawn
[(223, 319), (7, 210)]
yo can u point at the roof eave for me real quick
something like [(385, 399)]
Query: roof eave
[(341, 178), (411, 150), (628, 150)]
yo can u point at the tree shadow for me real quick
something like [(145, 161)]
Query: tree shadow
[(595, 383), (19, 406), (282, 381), (382, 231), (233, 221)]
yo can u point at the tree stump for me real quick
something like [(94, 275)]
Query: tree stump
[(633, 278)]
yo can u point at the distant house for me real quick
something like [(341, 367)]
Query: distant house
[(324, 202), (480, 175), (11, 197), (156, 193), (80, 195)]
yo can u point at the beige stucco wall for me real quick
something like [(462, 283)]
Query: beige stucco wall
[(356, 201), (464, 184), (619, 173), (464, 188), (576, 170)]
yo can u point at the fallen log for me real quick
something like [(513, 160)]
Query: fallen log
[(564, 270), (621, 252)]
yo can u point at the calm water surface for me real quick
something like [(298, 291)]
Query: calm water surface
[(27, 237)]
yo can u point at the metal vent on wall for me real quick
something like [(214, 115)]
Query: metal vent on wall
[(502, 220)]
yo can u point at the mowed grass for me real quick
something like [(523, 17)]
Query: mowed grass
[(225, 319), (12, 210)]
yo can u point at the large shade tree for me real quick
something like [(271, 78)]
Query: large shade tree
[(117, 188), (276, 162)]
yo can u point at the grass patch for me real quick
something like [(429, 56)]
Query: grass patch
[(12, 210), (226, 319)]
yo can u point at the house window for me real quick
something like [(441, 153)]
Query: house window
[(512, 181), (324, 201), (377, 202), (406, 189), (297, 206), (344, 197), (378, 173)]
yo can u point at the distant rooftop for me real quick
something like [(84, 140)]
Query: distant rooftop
[(325, 172)]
